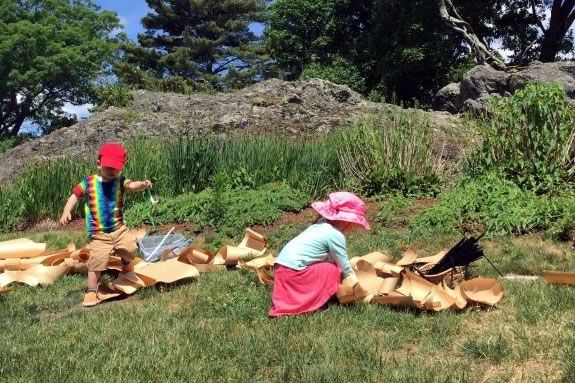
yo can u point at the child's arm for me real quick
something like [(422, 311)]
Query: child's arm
[(136, 186), (338, 248), (67, 213)]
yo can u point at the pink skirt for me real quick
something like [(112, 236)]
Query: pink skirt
[(296, 292)]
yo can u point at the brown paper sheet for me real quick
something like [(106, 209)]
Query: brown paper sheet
[(169, 271), (482, 290), (384, 280), (263, 267), (253, 245), (432, 259), (27, 262), (409, 257), (559, 277), (21, 248), (372, 258), (36, 275)]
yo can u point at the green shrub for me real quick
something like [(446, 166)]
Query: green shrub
[(389, 152), (339, 71), (227, 210), (497, 206), (116, 94), (7, 142), (529, 139)]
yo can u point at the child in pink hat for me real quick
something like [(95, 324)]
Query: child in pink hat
[(308, 270)]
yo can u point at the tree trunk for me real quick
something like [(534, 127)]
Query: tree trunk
[(482, 54), (562, 17), (17, 125)]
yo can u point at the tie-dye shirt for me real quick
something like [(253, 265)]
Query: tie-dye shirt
[(103, 203)]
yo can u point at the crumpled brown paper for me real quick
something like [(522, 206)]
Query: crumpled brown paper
[(25, 261), (384, 280), (253, 245), (21, 248)]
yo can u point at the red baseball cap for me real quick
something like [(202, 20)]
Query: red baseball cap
[(112, 156)]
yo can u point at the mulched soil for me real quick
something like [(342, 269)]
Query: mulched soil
[(306, 217)]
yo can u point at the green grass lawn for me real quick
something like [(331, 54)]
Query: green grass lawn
[(216, 329)]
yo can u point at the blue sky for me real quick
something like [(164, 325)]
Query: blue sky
[(132, 11)]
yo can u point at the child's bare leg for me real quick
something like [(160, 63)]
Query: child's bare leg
[(93, 278)]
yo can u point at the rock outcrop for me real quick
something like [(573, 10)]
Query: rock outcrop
[(299, 108), (482, 82)]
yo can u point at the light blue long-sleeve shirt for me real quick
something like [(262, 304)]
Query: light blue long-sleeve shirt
[(319, 242)]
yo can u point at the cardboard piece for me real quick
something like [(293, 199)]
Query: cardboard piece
[(559, 277), (21, 248), (4, 290)]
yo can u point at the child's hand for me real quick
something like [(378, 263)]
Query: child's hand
[(66, 217)]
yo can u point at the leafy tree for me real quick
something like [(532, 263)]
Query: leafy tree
[(195, 44), (51, 52), (301, 33), (412, 51)]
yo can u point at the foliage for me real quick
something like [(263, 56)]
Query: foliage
[(11, 208), (8, 142), (194, 45), (113, 94), (412, 50), (394, 156), (499, 207), (391, 207), (224, 209), (390, 152), (303, 33), (529, 139), (51, 52), (339, 71)]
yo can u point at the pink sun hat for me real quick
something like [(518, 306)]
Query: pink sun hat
[(343, 206)]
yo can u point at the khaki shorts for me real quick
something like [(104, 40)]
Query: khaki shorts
[(121, 243)]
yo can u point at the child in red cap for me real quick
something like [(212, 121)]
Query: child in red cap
[(103, 196), (309, 268)]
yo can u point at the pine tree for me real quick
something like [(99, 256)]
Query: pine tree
[(195, 44)]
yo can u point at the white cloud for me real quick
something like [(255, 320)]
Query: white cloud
[(80, 111), (124, 21), (506, 53)]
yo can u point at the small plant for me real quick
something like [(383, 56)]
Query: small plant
[(391, 152), (529, 139), (391, 206)]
